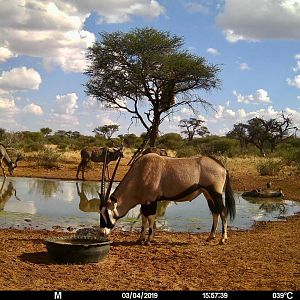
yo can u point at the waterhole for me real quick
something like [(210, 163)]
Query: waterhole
[(70, 205)]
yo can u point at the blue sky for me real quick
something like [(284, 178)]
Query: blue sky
[(42, 58)]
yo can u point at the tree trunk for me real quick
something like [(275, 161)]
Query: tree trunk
[(154, 131)]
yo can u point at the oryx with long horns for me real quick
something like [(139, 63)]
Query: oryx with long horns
[(153, 178)]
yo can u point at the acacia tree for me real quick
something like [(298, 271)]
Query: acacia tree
[(46, 131), (263, 133), (106, 130), (193, 127), (147, 73), (240, 133)]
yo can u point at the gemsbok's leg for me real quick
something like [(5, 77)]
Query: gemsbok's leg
[(83, 166), (142, 237), (148, 212), (78, 169), (213, 227), (151, 220), (224, 226)]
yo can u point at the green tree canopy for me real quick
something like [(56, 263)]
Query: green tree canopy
[(263, 133), (106, 130), (46, 131), (193, 127), (127, 70)]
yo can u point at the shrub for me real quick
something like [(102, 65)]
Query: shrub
[(269, 167), (171, 141), (48, 158), (186, 152)]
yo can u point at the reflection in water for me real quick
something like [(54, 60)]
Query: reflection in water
[(46, 188), (49, 203), (6, 191), (92, 204), (85, 204), (269, 205)]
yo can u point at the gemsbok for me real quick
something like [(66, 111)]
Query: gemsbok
[(4, 157), (153, 178), (97, 155)]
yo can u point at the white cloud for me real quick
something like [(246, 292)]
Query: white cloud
[(195, 7), (227, 118), (241, 113), (298, 97), (20, 79), (5, 54), (7, 103), (260, 19), (105, 119), (220, 111), (176, 119), (53, 29), (121, 102), (115, 11), (297, 67), (62, 116), (33, 109), (260, 96), (294, 82), (66, 104), (62, 121), (91, 104), (232, 37), (187, 111), (213, 51), (244, 66)]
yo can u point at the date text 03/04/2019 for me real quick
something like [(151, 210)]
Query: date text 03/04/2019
[(139, 295)]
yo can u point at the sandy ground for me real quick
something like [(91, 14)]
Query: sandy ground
[(266, 257)]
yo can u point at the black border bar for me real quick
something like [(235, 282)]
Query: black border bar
[(148, 295)]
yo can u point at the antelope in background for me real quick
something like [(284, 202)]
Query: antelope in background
[(4, 157), (97, 155), (153, 178)]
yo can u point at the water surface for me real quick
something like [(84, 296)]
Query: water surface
[(69, 205)]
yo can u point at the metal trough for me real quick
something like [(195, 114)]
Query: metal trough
[(77, 250)]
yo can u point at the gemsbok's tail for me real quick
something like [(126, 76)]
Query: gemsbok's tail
[(229, 198)]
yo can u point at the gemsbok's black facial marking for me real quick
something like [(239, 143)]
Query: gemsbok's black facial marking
[(105, 221)]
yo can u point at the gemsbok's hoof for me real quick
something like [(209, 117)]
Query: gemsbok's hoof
[(222, 242), (210, 238), (140, 241)]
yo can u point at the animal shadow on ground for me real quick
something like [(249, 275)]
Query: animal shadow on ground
[(40, 258), (153, 243)]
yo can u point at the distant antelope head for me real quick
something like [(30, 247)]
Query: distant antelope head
[(13, 165), (4, 157)]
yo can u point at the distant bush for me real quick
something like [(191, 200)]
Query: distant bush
[(269, 167), (186, 151), (172, 141), (30, 146), (48, 158), (218, 146)]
